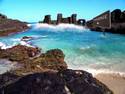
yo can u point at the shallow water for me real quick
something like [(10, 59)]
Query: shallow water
[(84, 49)]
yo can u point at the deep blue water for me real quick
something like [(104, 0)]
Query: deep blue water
[(84, 49)]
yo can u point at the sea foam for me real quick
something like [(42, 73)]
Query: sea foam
[(60, 27)]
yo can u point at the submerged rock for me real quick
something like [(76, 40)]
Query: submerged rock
[(64, 82), (26, 38)]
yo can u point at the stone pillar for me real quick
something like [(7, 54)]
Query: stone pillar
[(74, 20), (69, 20), (47, 19), (59, 18)]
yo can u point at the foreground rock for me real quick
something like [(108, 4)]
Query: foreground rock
[(45, 73), (31, 60), (63, 82), (19, 53), (10, 26)]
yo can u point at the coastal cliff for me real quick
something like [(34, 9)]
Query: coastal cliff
[(113, 22), (45, 73), (10, 26)]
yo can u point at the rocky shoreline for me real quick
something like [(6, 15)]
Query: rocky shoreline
[(45, 73), (114, 23), (10, 26)]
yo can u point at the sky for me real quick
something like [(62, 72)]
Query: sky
[(34, 10)]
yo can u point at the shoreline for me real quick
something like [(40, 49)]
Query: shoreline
[(113, 81)]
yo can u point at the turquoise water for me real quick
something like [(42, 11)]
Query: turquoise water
[(84, 49)]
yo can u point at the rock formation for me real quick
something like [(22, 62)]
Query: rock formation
[(74, 20), (19, 53), (31, 60), (47, 19), (9, 26), (46, 73), (63, 82), (59, 18), (81, 22), (117, 23), (68, 20)]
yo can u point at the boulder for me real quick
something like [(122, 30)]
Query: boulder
[(10, 26), (26, 38), (19, 53), (63, 82), (52, 59)]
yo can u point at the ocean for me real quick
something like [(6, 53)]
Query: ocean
[(83, 49)]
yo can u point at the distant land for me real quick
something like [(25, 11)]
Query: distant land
[(113, 22), (9, 26)]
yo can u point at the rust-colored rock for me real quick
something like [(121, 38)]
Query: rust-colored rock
[(19, 53), (10, 26)]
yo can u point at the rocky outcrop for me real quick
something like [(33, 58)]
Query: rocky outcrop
[(26, 38), (117, 23), (59, 18), (47, 19), (10, 26), (19, 53), (31, 60), (63, 82), (45, 74), (74, 20), (52, 59), (81, 22)]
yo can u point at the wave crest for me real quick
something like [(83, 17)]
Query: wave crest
[(60, 27)]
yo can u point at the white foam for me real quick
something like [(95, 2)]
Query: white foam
[(4, 46), (60, 27), (95, 72), (25, 44)]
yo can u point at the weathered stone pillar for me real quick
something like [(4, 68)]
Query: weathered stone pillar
[(59, 18), (74, 20), (47, 19)]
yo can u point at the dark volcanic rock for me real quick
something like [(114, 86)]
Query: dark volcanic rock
[(65, 82), (81, 22), (7, 78), (116, 16), (82, 82), (59, 18), (74, 20), (26, 38), (47, 19)]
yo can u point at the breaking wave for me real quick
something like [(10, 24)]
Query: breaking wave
[(60, 27)]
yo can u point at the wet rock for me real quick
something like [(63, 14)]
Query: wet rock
[(52, 59), (82, 82), (10, 26), (26, 38), (30, 61), (64, 82), (7, 78), (19, 53)]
